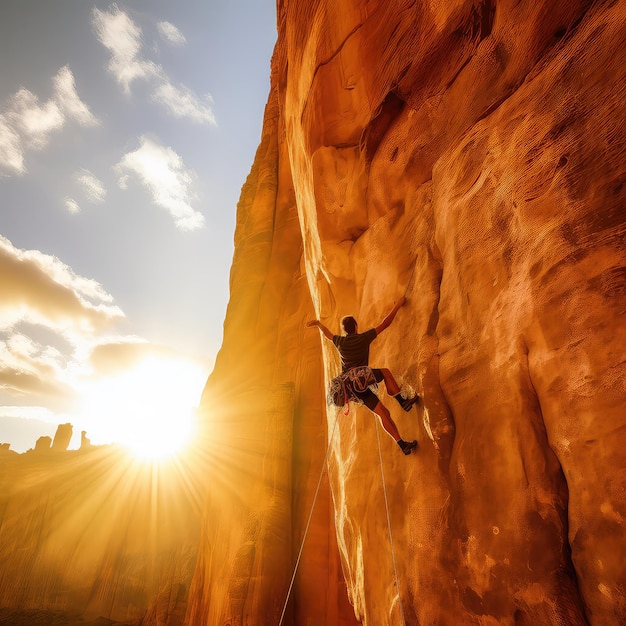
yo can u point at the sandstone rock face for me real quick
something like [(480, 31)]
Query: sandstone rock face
[(265, 425), (470, 155)]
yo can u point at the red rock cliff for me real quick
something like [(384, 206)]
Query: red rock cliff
[(470, 155)]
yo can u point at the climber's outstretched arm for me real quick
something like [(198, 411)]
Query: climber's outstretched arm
[(323, 328), (390, 317)]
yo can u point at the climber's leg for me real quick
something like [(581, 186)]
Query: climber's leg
[(394, 390), (387, 423)]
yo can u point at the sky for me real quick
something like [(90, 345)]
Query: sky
[(126, 133)]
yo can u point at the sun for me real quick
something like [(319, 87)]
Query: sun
[(160, 442), (149, 409)]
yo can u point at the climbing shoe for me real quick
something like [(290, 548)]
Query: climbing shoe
[(407, 446), (407, 403)]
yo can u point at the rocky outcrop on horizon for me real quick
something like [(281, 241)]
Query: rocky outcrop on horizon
[(470, 156), (62, 437)]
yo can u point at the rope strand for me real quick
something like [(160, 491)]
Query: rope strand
[(306, 530), (393, 553)]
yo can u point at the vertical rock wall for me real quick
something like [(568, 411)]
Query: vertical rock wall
[(265, 424), (471, 156)]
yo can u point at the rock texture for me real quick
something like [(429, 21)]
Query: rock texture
[(470, 155)]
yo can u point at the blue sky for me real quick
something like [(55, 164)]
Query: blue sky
[(126, 133)]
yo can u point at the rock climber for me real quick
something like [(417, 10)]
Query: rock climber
[(353, 384)]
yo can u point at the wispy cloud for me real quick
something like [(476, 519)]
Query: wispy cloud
[(183, 103), (27, 123), (171, 34), (123, 38), (34, 121), (92, 187), (68, 100), (71, 205), (11, 150), (163, 173)]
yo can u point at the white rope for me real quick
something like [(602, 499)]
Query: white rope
[(393, 554), (306, 530)]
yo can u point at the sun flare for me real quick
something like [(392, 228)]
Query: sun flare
[(149, 409)]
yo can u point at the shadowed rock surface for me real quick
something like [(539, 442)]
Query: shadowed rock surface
[(471, 156)]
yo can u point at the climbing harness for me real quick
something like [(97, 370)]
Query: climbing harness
[(306, 530), (393, 553), (342, 388)]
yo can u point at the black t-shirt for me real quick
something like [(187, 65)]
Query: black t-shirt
[(354, 349)]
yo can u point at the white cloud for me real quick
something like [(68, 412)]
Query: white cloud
[(72, 206), (11, 152), (123, 38), (163, 173), (32, 120), (27, 123), (171, 34), (91, 186), (182, 102), (40, 289), (68, 100)]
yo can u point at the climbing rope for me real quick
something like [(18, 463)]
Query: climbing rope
[(393, 553), (306, 530)]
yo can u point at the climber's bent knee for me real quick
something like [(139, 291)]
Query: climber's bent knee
[(369, 399)]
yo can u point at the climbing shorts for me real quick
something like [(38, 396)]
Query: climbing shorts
[(355, 385)]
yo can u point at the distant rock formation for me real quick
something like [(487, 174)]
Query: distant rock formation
[(5, 450), (85, 442), (471, 156), (43, 444), (62, 437)]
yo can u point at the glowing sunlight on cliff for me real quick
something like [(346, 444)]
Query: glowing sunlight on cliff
[(149, 409)]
